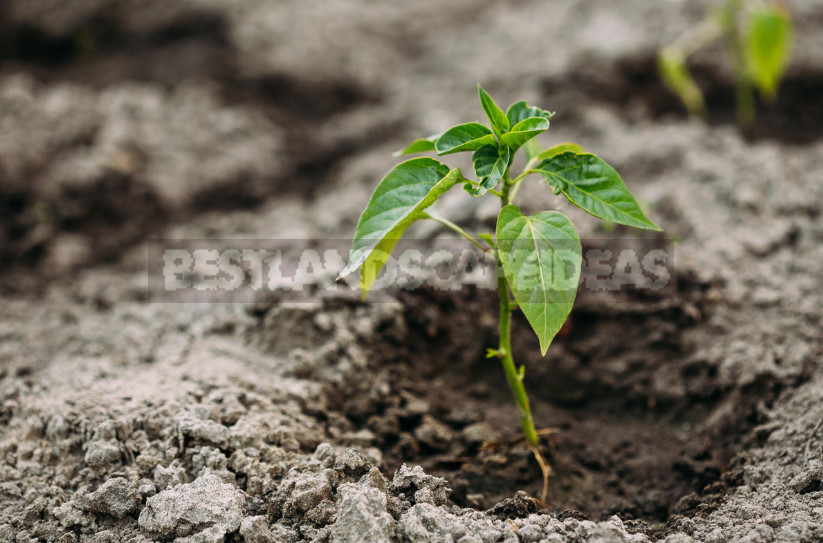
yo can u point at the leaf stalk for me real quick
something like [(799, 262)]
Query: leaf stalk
[(448, 224)]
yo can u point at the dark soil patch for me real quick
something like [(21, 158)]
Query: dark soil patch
[(619, 441), (116, 212), (99, 51), (112, 215), (194, 48), (634, 86), (304, 108)]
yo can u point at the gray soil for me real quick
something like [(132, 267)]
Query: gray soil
[(692, 416)]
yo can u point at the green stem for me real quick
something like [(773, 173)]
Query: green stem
[(514, 377), (745, 101), (515, 184), (447, 223), (745, 105), (523, 175)]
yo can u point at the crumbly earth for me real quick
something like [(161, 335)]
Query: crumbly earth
[(692, 415)]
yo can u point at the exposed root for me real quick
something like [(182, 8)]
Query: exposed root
[(546, 469)]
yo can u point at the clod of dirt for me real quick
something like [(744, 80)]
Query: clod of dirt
[(256, 530), (305, 493), (116, 497), (206, 504), (424, 522), (69, 515), (352, 462), (102, 453), (203, 430), (480, 432), (414, 483), (811, 480), (433, 434), (168, 476), (362, 515), (146, 488), (520, 505)]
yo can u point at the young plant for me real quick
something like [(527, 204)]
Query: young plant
[(758, 37), (538, 256)]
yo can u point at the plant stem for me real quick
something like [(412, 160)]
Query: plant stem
[(514, 377), (745, 106), (526, 172), (517, 182)]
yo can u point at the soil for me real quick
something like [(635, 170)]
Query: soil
[(691, 414)]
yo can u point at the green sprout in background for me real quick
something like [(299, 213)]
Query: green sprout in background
[(758, 37), (538, 257)]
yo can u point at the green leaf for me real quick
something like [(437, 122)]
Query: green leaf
[(520, 111), (524, 131), (398, 201), (488, 159), (463, 137), (420, 145), (595, 187), (499, 121), (559, 149), (672, 67), (490, 164), (487, 237), (541, 256), (532, 148), (768, 47)]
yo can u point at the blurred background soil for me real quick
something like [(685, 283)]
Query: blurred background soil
[(693, 415)]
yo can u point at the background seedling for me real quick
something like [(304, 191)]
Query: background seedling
[(758, 37), (538, 256)]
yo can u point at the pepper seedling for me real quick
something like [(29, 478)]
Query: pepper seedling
[(758, 37), (538, 257)]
